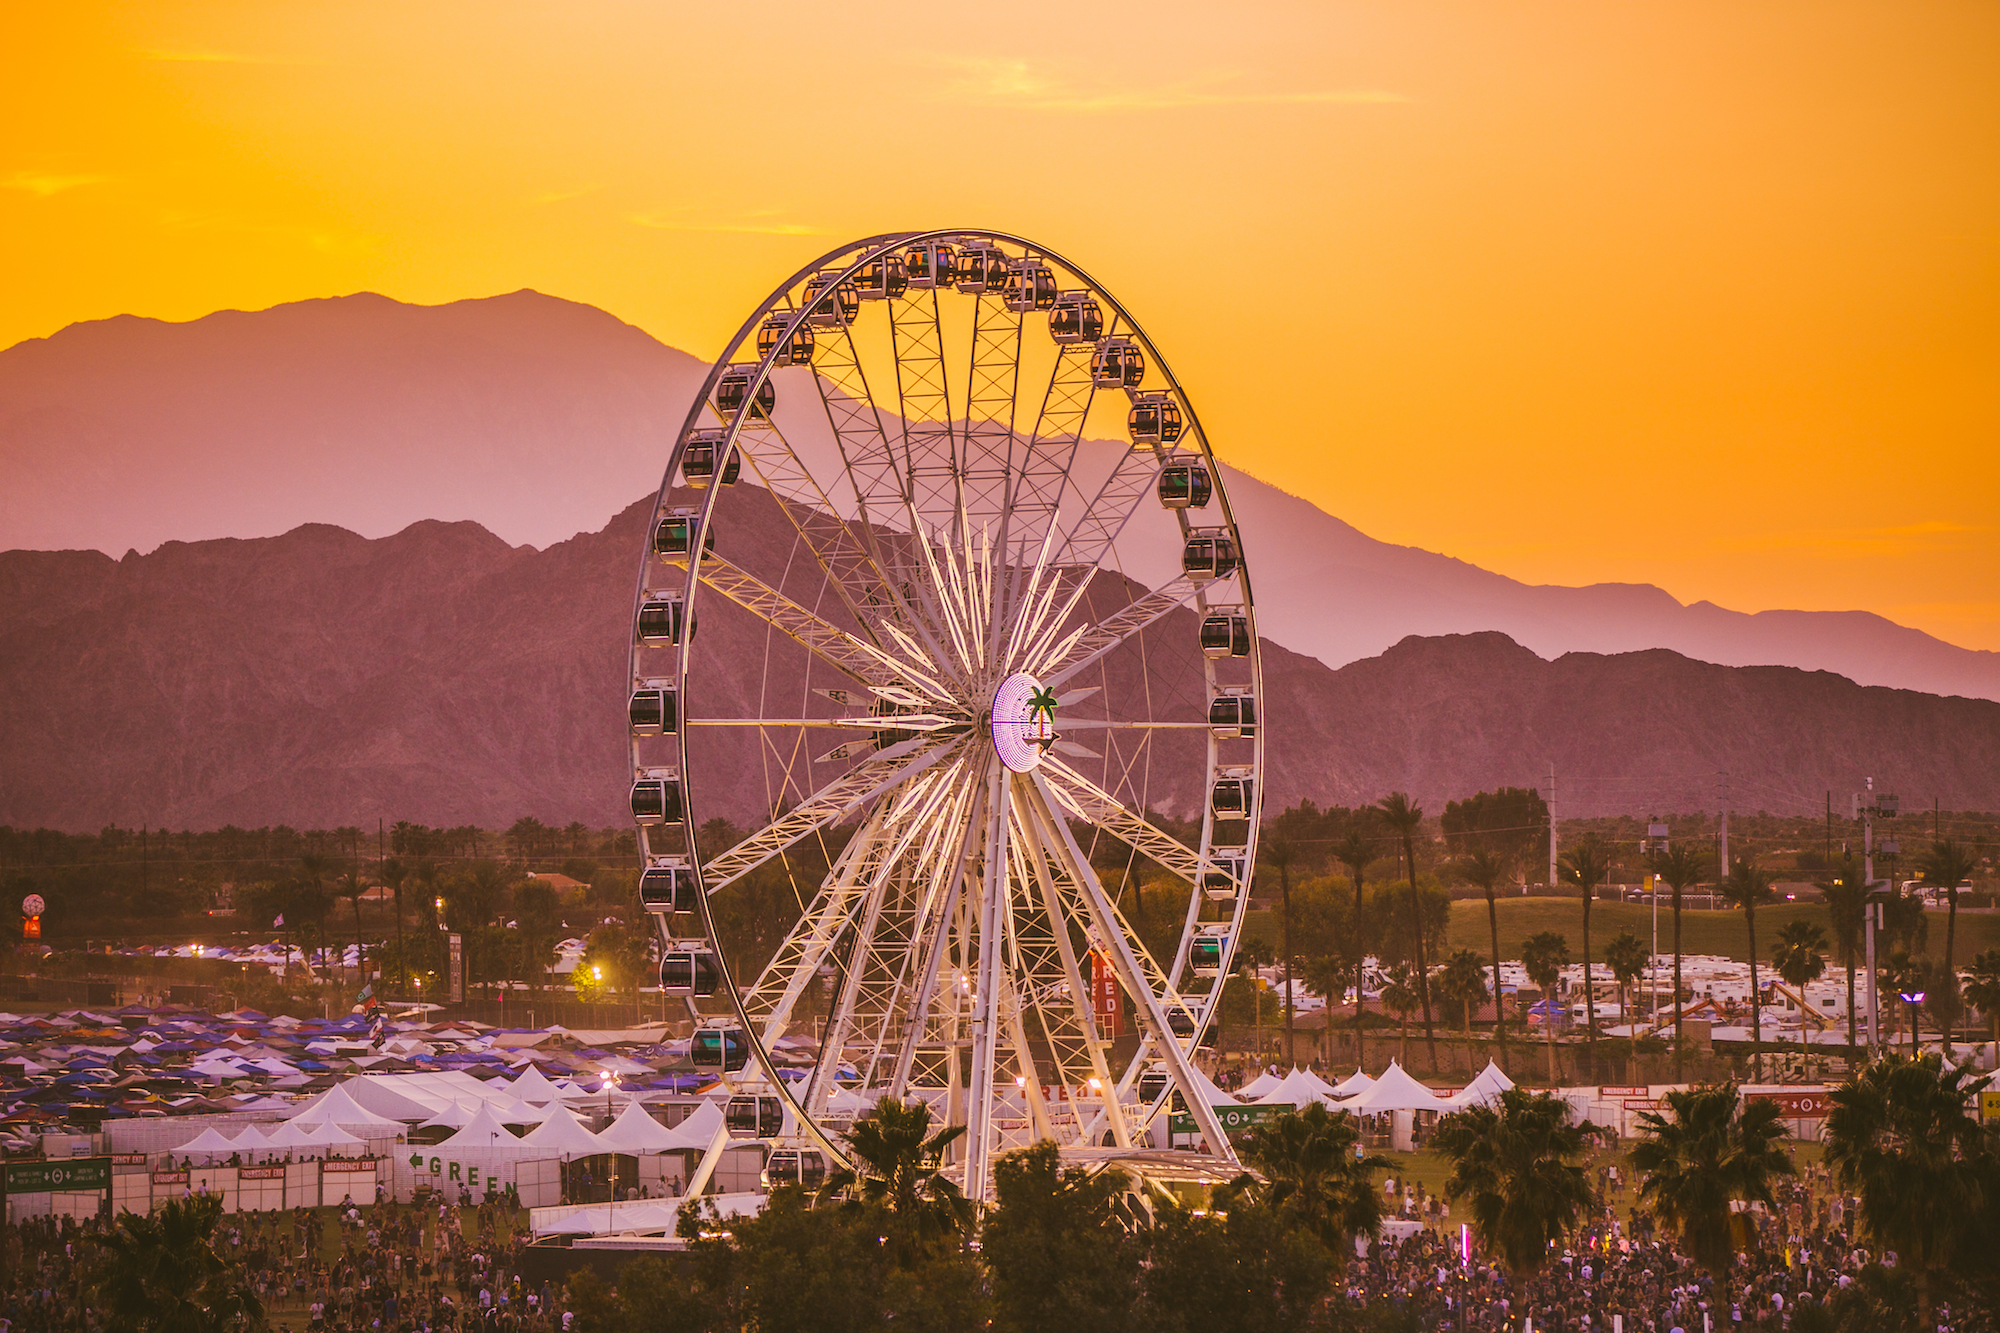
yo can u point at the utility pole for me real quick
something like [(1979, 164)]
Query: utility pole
[(1722, 779), (1552, 834)]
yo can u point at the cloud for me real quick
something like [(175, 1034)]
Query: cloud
[(44, 183), (1016, 83)]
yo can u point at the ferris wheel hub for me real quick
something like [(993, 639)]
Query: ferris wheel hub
[(1023, 722)]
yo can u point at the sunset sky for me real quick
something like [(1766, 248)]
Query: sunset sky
[(1706, 296)]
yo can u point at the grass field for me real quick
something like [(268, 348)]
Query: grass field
[(1701, 932)]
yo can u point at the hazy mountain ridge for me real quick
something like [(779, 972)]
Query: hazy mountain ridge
[(536, 416), (439, 674)]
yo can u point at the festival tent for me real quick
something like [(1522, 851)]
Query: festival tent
[(378, 1096), (534, 1086), (456, 1115), (1396, 1091), (698, 1131), (210, 1143), (1357, 1082), (1300, 1087), (1216, 1096), (333, 1136), (486, 1132), (564, 1135), (1486, 1086), (1258, 1086), (337, 1107), (298, 1140), (635, 1131)]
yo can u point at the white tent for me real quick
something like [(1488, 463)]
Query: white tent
[(298, 1140), (534, 1086), (698, 1131), (1300, 1087), (210, 1143), (635, 1131), (1357, 1082), (336, 1107), (1486, 1086), (486, 1131), (1396, 1091), (456, 1115), (1258, 1086), (562, 1134), (514, 1111), (333, 1136)]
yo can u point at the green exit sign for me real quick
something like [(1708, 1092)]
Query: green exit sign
[(57, 1176), (1237, 1120)]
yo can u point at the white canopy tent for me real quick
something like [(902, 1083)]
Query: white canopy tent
[(486, 1133), (1486, 1086), (1396, 1091), (534, 1086), (1300, 1087), (209, 1144), (1353, 1084), (1258, 1086), (635, 1131), (337, 1107), (563, 1135)]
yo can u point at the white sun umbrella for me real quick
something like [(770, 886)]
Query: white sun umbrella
[(635, 1131), (564, 1134)]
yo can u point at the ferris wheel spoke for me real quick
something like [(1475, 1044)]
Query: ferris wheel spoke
[(1105, 514), (1150, 991), (845, 794), (1083, 649), (1088, 802)]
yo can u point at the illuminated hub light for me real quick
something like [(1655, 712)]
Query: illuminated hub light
[(1023, 722)]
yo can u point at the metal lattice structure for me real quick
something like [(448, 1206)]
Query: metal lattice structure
[(994, 561)]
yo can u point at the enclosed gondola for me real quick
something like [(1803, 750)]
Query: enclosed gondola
[(1233, 715), (689, 972), (1153, 1084), (673, 535), (661, 619), (793, 350), (722, 1048), (1076, 318), (1031, 285), (668, 884), (654, 709), (882, 278), (1225, 635), (1117, 363), (1210, 553), (1155, 418), (982, 268), (656, 798), (754, 1117), (698, 460), (1180, 1022), (830, 303), (1185, 486), (733, 390), (794, 1166), (932, 265), (1230, 797), (1222, 879), (1206, 950)]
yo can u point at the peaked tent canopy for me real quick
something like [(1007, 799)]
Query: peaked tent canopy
[(534, 1086), (635, 1131), (1396, 1091), (1357, 1082), (1300, 1087), (565, 1134)]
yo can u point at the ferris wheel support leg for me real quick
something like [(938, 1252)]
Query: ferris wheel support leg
[(1127, 967), (985, 1012), (1100, 1068), (710, 1159), (933, 966)]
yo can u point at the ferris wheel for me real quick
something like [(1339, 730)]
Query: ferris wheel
[(942, 618)]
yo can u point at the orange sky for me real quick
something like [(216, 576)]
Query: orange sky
[(1700, 295)]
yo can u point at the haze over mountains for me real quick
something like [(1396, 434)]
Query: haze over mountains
[(537, 417)]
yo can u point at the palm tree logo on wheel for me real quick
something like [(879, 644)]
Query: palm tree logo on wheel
[(1042, 714)]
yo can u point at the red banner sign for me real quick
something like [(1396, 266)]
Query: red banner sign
[(170, 1177), (1608, 1093), (261, 1173), (1809, 1104), (1107, 1003), (337, 1166)]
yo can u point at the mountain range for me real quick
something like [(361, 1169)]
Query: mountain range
[(536, 417)]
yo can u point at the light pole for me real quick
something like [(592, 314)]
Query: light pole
[(1915, 999)]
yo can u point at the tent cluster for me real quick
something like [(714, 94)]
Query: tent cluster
[(1394, 1091)]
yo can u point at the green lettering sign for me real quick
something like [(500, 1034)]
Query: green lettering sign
[(1237, 1120), (59, 1176)]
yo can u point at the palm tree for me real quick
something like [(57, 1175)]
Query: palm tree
[(1627, 958), (902, 1168), (1487, 870), (1984, 989), (1403, 819), (1586, 865), (1356, 851), (1400, 998), (1748, 885), (1680, 869), (1944, 866), (1543, 957), (1706, 1151), (1898, 1135), (163, 1274), (1462, 981), (1797, 958), (1518, 1163), (1281, 852), (1309, 1162), (1847, 908)]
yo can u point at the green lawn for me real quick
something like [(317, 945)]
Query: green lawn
[(1701, 932)]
